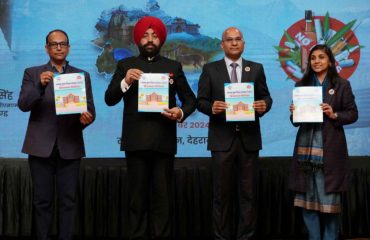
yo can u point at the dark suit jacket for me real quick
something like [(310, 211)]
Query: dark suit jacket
[(211, 88), (337, 168), (45, 128), (149, 131)]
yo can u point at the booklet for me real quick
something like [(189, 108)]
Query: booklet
[(153, 92), (307, 107), (70, 93), (240, 98)]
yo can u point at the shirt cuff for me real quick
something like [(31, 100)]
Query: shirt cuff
[(182, 115), (124, 86)]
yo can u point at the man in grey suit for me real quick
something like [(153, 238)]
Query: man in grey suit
[(54, 143), (234, 146)]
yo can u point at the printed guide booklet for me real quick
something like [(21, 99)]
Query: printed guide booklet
[(70, 93), (240, 98), (307, 107), (153, 92)]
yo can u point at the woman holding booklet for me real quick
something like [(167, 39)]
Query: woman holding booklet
[(320, 170)]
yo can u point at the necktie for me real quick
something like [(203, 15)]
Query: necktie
[(233, 78)]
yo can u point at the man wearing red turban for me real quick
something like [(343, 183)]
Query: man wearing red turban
[(150, 22), (149, 139)]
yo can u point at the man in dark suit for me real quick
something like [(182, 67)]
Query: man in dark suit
[(54, 143), (234, 145), (149, 139)]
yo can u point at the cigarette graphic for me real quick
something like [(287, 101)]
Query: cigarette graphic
[(289, 44), (286, 50), (294, 72), (330, 33), (318, 30), (293, 65), (346, 63), (337, 46), (344, 55)]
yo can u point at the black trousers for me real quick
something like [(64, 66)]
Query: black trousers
[(150, 177), (236, 166), (46, 174)]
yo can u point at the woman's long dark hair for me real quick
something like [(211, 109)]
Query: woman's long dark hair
[(332, 71)]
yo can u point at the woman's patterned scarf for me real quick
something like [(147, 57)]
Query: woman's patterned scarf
[(309, 142)]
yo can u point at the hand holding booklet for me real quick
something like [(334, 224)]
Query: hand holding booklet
[(307, 107), (70, 93)]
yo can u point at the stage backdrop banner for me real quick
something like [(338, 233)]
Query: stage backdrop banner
[(278, 34)]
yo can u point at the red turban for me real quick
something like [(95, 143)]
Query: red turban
[(150, 22)]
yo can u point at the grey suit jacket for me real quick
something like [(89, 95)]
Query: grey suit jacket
[(45, 128), (211, 88)]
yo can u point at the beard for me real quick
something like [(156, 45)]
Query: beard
[(151, 52)]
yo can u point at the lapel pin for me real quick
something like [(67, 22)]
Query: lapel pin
[(171, 81), (331, 91), (247, 69)]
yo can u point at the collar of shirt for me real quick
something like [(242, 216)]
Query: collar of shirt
[(228, 61), (150, 59), (64, 68)]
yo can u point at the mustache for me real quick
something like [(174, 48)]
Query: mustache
[(150, 44), (149, 49)]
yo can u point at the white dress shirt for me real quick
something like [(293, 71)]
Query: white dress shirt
[(238, 68)]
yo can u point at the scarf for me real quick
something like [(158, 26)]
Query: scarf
[(309, 142)]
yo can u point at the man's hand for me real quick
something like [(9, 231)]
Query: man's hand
[(86, 118), (46, 77), (174, 113), (260, 106), (132, 75), (219, 107)]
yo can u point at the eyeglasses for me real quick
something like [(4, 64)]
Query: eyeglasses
[(230, 40), (54, 45)]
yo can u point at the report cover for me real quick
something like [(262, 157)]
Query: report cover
[(153, 92), (307, 102), (70, 93), (240, 98)]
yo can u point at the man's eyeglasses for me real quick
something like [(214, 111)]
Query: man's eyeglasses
[(54, 45), (230, 40)]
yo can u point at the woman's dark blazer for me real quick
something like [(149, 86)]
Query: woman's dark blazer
[(336, 162)]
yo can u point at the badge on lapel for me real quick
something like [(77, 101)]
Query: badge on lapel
[(247, 69), (171, 78), (331, 91)]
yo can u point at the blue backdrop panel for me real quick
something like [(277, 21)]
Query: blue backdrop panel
[(101, 34)]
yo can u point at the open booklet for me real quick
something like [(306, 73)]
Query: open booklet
[(70, 93)]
